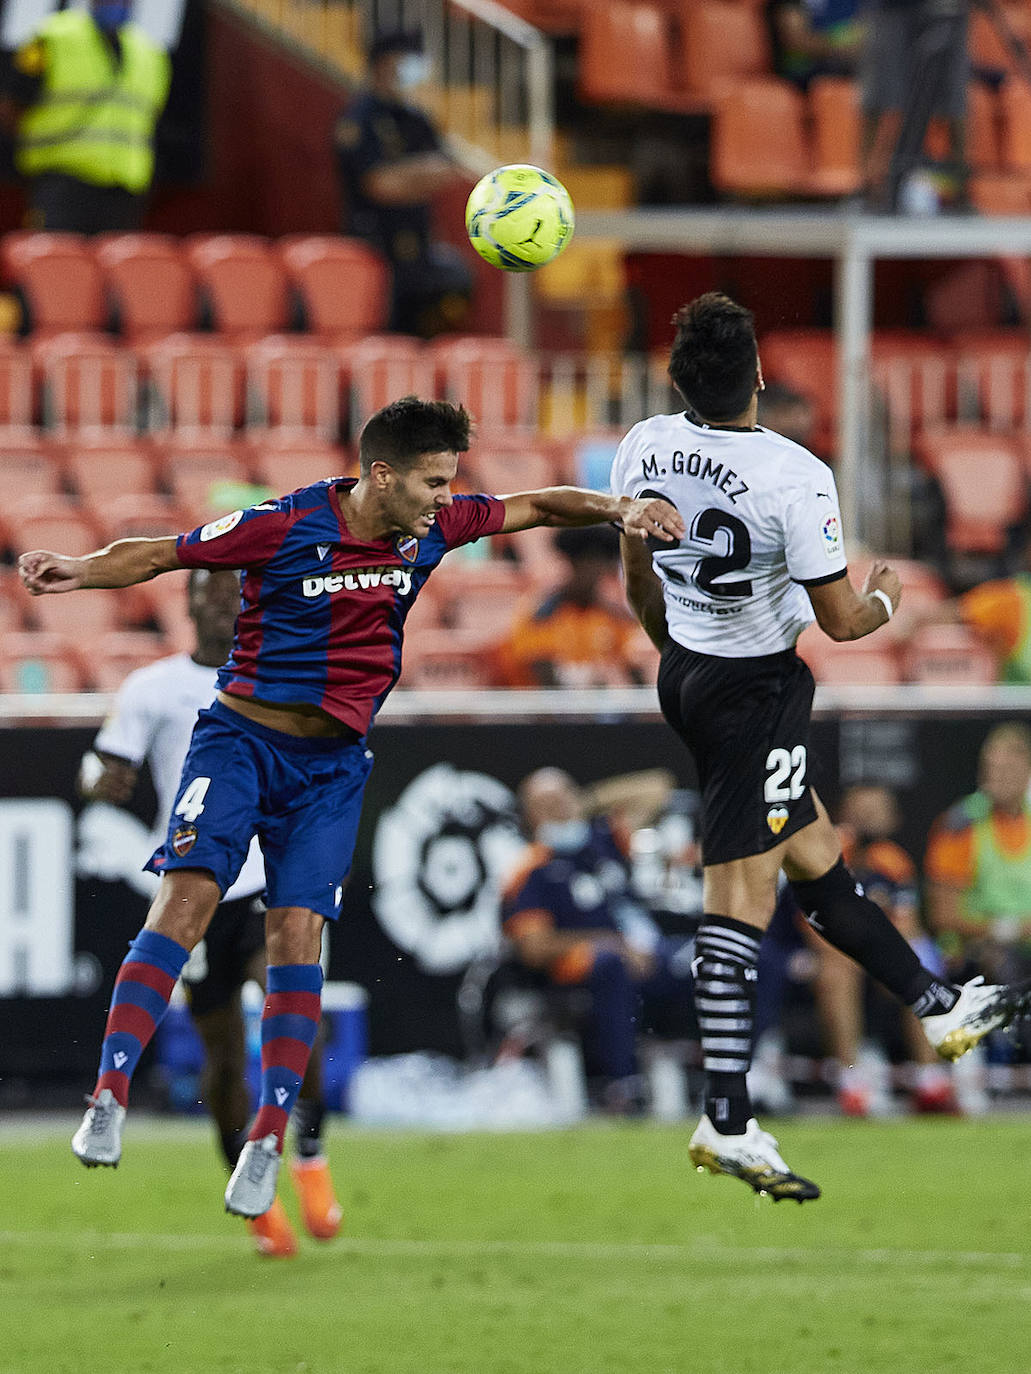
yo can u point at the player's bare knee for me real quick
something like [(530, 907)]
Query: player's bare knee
[(293, 935), (184, 906)]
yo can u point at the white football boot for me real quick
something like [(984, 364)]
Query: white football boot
[(251, 1189), (751, 1157), (99, 1139)]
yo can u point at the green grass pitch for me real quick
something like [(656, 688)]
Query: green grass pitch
[(598, 1250)]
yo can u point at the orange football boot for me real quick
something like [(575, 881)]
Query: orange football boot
[(273, 1235), (320, 1210)]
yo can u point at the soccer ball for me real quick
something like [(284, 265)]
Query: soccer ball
[(519, 217)]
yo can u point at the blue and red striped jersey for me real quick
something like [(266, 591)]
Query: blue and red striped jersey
[(322, 614)]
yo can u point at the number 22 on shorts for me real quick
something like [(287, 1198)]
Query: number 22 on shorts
[(191, 803), (786, 781)]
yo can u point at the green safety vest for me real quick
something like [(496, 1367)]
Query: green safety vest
[(1002, 881), (1017, 668), (95, 117)]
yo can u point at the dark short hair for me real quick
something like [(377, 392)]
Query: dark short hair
[(588, 541), (403, 431), (714, 358), (390, 41)]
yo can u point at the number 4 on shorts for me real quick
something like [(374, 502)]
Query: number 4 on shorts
[(191, 803)]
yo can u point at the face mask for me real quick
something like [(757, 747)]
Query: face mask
[(111, 17), (564, 837), (412, 70)]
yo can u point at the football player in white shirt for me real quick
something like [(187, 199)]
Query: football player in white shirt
[(151, 720), (763, 556)]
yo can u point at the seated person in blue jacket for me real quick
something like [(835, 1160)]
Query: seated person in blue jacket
[(569, 912)]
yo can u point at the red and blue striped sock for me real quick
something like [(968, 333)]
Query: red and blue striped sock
[(289, 1023), (139, 1001)]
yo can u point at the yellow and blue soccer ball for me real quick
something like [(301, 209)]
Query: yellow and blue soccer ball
[(519, 217)]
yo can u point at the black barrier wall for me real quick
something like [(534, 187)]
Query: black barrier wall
[(439, 829)]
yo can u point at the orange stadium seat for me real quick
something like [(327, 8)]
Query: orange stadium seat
[(99, 471), (88, 382), (35, 661), (759, 144), (56, 523), (983, 143), (496, 467), (862, 662), (344, 285), (286, 462), (985, 45), (137, 515), (380, 369), (59, 278), (27, 472), (723, 42), (949, 654), (983, 482), (150, 283), (493, 378), (194, 478), (1015, 109), (1000, 193), (914, 373), (805, 360), (81, 617), (835, 116), (196, 383), (993, 369), (480, 596), (295, 383), (111, 657), (17, 406), (164, 602), (243, 282), (625, 55), (15, 602), (447, 659)]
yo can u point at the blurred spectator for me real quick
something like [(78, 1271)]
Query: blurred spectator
[(915, 67), (978, 863), (810, 38), (570, 915), (869, 817), (787, 412), (579, 635), (83, 98), (392, 163)]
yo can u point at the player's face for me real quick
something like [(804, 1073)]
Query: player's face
[(415, 498)]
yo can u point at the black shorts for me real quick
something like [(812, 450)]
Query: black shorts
[(218, 967), (746, 722)]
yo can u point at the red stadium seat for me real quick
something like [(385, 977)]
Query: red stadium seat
[(835, 115), (805, 360), (447, 659), (491, 377), (868, 661), (993, 371), (34, 661), (27, 472), (100, 471), (136, 515), (243, 281), (88, 382), (382, 368), (194, 478), (284, 462), (344, 285), (49, 522), (949, 654), (81, 617), (17, 407), (479, 596), (626, 56), (197, 384), (15, 603), (296, 383), (113, 656), (151, 284), (722, 43), (759, 146), (507, 468), (60, 279), (983, 482)]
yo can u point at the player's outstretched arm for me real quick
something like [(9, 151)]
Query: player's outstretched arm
[(845, 614), (121, 564), (644, 590), (565, 506)]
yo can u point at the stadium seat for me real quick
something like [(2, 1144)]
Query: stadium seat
[(284, 462), (243, 282), (15, 602), (447, 659), (34, 661), (150, 283), (28, 471), (1000, 193), (507, 468), (479, 595), (835, 117), (914, 375), (17, 406), (863, 662), (81, 617), (992, 375), (49, 522), (759, 147), (982, 479), (136, 515), (626, 56), (295, 384), (164, 602), (196, 384), (496, 382), (949, 654), (722, 43), (985, 45), (983, 142), (344, 285), (99, 471), (805, 360), (88, 382), (1015, 125), (380, 369), (60, 280), (113, 656), (194, 477)]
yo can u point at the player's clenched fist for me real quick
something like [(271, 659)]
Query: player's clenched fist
[(50, 572)]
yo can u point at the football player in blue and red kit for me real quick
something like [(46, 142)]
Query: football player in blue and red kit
[(329, 573)]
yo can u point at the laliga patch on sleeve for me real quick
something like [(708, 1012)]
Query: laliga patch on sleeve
[(831, 531), (222, 525)]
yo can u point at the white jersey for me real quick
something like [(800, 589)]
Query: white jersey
[(152, 718), (762, 523)]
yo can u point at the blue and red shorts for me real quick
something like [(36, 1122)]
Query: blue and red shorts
[(301, 797)]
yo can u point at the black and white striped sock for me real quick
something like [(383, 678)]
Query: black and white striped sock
[(725, 971)]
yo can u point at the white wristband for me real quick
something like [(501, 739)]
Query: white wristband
[(885, 600)]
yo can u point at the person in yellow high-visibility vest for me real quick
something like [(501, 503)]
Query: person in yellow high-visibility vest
[(84, 98)]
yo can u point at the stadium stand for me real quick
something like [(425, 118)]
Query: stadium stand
[(242, 283), (342, 283), (88, 382), (948, 654), (983, 482), (34, 661), (150, 285), (60, 280), (294, 383), (196, 383)]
